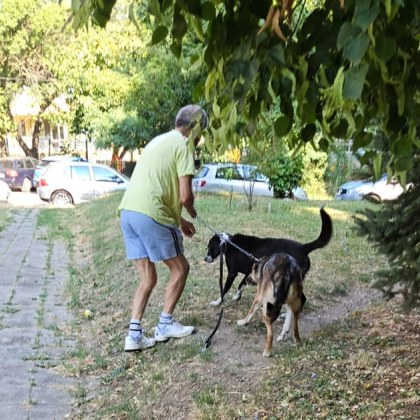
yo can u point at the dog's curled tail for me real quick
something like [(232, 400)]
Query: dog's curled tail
[(325, 235)]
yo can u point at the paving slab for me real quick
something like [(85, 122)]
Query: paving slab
[(31, 301)]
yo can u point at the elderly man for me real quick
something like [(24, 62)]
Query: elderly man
[(151, 222)]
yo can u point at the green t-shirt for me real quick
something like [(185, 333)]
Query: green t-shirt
[(154, 185)]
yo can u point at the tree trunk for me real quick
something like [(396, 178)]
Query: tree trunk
[(3, 148), (35, 137)]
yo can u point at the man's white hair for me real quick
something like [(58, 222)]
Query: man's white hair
[(189, 115)]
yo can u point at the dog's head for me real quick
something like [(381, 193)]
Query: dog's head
[(268, 266), (213, 249)]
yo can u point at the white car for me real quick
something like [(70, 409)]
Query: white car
[(68, 182), (237, 178), (379, 190)]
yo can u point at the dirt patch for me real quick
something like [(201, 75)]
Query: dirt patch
[(238, 366)]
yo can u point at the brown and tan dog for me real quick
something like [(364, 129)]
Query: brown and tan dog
[(279, 281)]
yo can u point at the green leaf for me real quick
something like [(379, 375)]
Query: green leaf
[(377, 163), (308, 114), (179, 26), (176, 49), (356, 47), (403, 146), (354, 79), (308, 133), (275, 56), (159, 34), (344, 34), (324, 144), (403, 164), (365, 13), (367, 157), (208, 11), (198, 92), (282, 126), (385, 48), (361, 140)]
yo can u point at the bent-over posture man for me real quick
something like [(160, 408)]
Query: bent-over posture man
[(151, 222)]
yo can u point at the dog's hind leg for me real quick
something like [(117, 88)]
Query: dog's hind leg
[(269, 342), (254, 308), (296, 307), (286, 325)]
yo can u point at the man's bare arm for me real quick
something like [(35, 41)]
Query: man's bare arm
[(186, 194)]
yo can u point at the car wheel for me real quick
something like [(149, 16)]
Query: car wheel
[(373, 198), (61, 198), (27, 185)]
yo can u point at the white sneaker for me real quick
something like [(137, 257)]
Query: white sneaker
[(172, 330), (132, 344)]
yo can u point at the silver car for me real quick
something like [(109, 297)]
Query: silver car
[(65, 183), (379, 190), (237, 178)]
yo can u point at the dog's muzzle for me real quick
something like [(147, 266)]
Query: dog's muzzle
[(208, 259)]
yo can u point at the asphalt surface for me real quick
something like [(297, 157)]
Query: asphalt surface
[(33, 315)]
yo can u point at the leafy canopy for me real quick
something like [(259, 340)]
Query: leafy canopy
[(339, 69)]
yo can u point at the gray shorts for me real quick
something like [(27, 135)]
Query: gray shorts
[(146, 238)]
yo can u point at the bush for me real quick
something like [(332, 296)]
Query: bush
[(284, 174)]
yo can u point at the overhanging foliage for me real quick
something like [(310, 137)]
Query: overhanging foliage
[(344, 63)]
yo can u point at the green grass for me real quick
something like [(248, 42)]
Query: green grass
[(100, 279)]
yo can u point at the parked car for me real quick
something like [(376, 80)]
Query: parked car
[(5, 191), (236, 177), (42, 165), (379, 190), (18, 173), (69, 182)]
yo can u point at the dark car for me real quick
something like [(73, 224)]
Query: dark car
[(18, 173)]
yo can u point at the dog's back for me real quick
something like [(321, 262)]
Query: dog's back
[(260, 247)]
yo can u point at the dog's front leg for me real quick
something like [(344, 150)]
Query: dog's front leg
[(254, 308), (228, 284), (286, 325)]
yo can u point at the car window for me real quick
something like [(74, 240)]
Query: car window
[(251, 173), (29, 164), (80, 173), (202, 172), (103, 174), (6, 164), (228, 172), (19, 164)]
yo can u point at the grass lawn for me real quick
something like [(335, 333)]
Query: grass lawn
[(364, 366)]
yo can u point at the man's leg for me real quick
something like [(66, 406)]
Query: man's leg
[(148, 278), (167, 328), (179, 268)]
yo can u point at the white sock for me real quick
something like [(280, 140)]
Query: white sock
[(135, 328), (164, 320)]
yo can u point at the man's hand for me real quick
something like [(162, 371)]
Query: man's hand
[(187, 228), (193, 212)]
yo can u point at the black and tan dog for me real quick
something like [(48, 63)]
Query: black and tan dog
[(237, 262), (279, 281)]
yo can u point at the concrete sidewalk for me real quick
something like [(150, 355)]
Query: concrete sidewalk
[(33, 273)]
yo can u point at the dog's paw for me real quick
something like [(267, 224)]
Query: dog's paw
[(241, 322), (216, 302), (237, 297), (267, 354), (281, 337)]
